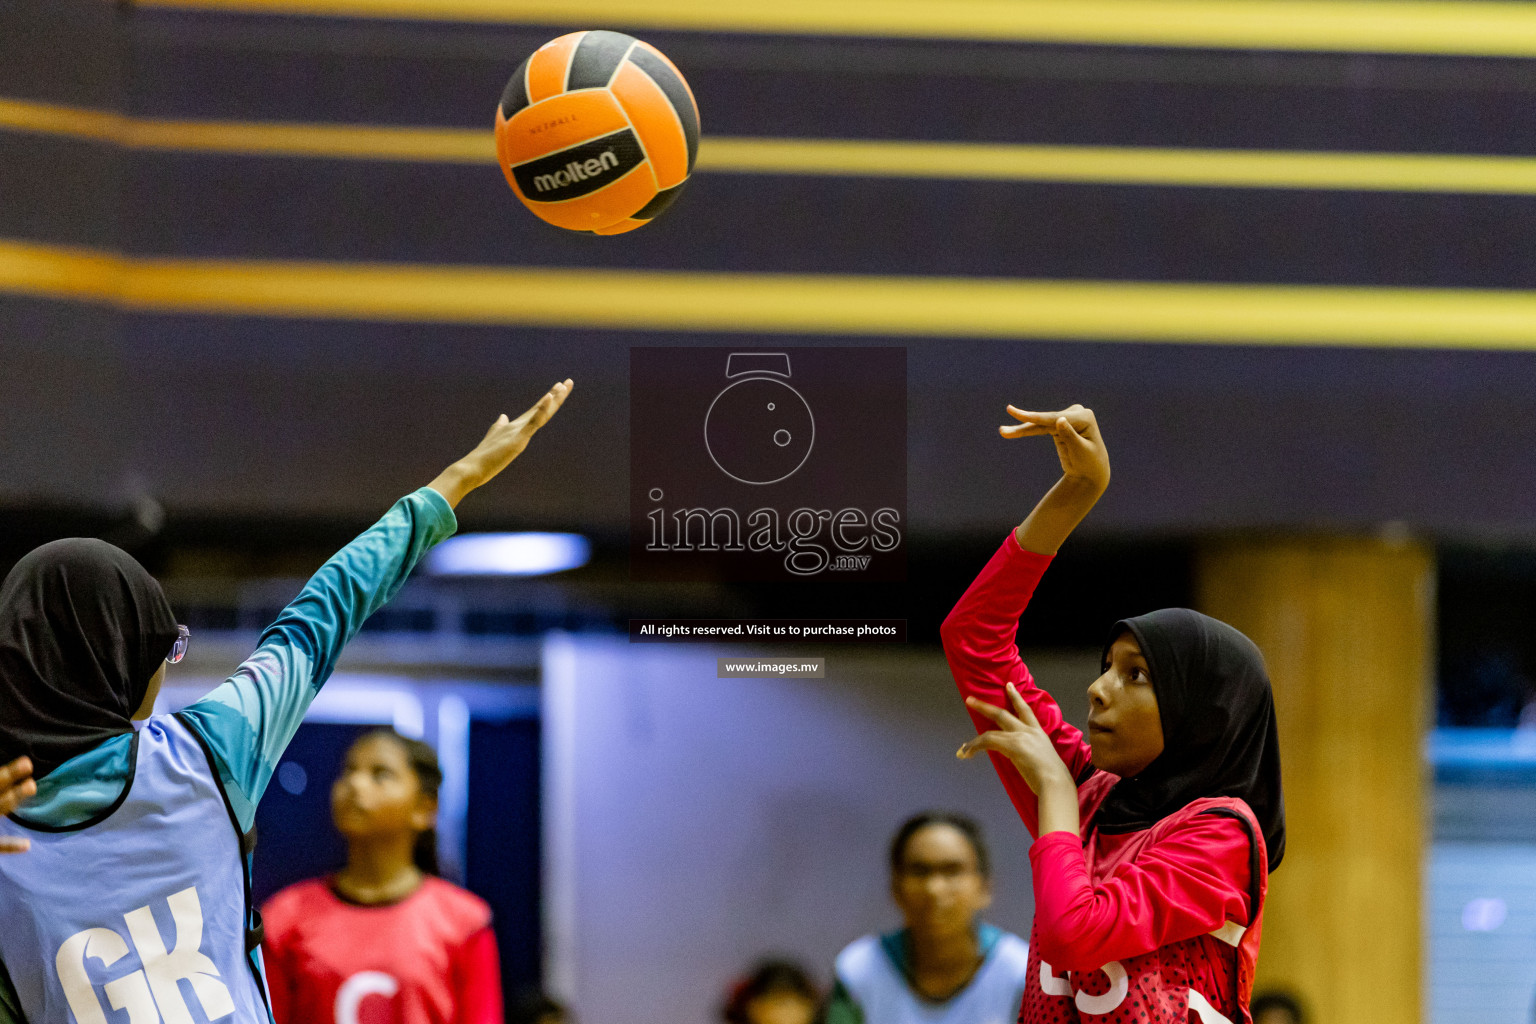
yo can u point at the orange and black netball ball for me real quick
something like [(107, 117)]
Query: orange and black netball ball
[(597, 131)]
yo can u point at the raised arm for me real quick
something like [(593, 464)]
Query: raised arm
[(504, 442), (979, 633), (1084, 474), (249, 720)]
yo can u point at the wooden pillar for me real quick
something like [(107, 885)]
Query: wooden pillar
[(1347, 629)]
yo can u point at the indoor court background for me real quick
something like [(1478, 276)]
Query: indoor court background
[(260, 275)]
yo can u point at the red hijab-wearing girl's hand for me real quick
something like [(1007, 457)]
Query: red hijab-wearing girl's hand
[(16, 787), (1079, 445), (1019, 738), (1084, 473)]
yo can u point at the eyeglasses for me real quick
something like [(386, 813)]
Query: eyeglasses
[(179, 648)]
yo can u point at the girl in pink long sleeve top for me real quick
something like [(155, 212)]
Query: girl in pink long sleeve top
[(1155, 834)]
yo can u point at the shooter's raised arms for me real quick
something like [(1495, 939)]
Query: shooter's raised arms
[(504, 442), (980, 633), (1084, 469)]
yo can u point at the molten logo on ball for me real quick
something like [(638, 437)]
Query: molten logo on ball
[(759, 430), (580, 170), (574, 171)]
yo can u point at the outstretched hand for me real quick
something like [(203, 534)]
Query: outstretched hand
[(16, 787), (504, 442), (1079, 445)]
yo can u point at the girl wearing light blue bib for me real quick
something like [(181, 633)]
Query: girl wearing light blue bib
[(945, 966), (132, 905)]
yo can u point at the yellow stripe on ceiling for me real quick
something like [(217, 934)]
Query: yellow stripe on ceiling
[(1506, 29), (1123, 165), (1210, 168), (54, 119), (253, 138), (782, 303)]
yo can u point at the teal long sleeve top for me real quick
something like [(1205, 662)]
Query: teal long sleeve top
[(249, 719)]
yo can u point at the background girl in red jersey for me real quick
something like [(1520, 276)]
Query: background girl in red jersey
[(1155, 835), (384, 939)]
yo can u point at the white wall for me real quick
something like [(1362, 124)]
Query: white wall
[(1482, 933), (693, 824)]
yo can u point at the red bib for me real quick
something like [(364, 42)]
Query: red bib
[(332, 962), (1207, 979)]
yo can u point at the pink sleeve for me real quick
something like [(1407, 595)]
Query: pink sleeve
[(477, 980), (1189, 883), (979, 637)]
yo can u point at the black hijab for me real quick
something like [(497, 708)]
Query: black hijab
[(1218, 716), (83, 628)]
